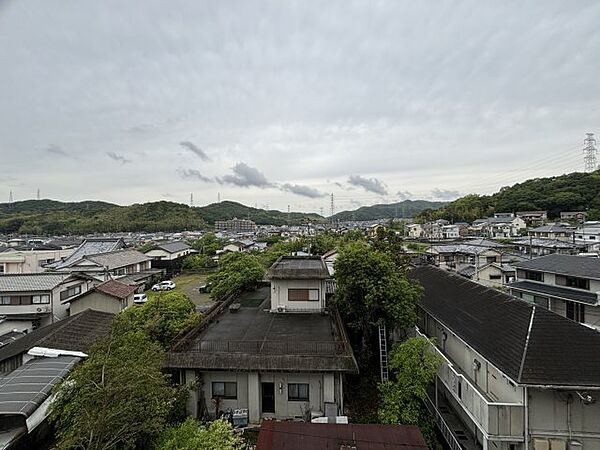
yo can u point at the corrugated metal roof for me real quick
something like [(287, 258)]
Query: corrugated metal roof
[(31, 282), (23, 390)]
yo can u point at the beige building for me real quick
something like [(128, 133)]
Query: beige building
[(111, 296), (30, 261), (514, 376)]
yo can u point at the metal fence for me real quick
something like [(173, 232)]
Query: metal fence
[(305, 348)]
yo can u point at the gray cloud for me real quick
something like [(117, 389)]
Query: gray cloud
[(118, 158), (444, 194), (193, 174), (56, 150), (305, 191), (404, 195), (195, 150), (245, 176), (368, 184)]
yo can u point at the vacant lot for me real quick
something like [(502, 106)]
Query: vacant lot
[(188, 283)]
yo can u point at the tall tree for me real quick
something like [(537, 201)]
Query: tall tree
[(413, 366), (237, 272), (190, 435), (118, 397)]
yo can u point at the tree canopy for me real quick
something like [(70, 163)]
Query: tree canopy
[(236, 272), (190, 435)]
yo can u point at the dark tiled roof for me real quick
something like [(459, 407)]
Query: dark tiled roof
[(298, 267), (575, 295), (90, 247), (76, 333), (578, 266), (116, 289), (496, 325), (173, 247), (118, 258), (276, 435)]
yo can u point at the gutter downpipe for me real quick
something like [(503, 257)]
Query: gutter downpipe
[(526, 405)]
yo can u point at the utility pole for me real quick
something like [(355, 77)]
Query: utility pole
[(589, 153)]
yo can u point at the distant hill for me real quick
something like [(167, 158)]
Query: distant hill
[(406, 208), (570, 192), (50, 217)]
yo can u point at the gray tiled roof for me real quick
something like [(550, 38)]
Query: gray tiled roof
[(528, 343), (119, 258), (174, 247), (298, 267), (589, 298), (91, 247), (31, 282), (578, 266)]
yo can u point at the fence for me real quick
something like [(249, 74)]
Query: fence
[(306, 348)]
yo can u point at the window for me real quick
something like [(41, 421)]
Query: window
[(39, 299), (70, 292), (530, 275), (574, 282), (518, 294), (541, 301), (495, 277), (5, 300), (303, 295), (491, 259), (1, 268), (298, 392), (224, 390), (575, 311)]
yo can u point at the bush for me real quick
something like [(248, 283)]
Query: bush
[(190, 435)]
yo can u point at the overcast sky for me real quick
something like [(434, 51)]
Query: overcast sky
[(282, 103)]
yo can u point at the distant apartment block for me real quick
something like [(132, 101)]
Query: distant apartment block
[(579, 216), (235, 225), (565, 284)]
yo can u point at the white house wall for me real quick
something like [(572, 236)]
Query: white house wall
[(279, 295)]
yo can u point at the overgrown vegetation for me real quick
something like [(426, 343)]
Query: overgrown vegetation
[(571, 192), (191, 435), (236, 272)]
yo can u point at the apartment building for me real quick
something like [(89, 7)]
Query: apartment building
[(514, 376), (235, 225), (565, 284), (16, 260)]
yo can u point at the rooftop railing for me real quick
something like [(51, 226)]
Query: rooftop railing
[(306, 348)]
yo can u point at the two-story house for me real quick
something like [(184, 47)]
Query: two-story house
[(514, 375), (169, 256), (277, 353), (16, 260), (565, 284), (28, 301), (556, 231)]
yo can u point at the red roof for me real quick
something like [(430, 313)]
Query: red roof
[(328, 436), (116, 289)]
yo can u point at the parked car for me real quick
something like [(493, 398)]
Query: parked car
[(164, 286), (205, 288), (140, 299)]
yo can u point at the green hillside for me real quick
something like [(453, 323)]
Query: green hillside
[(406, 208), (570, 192), (49, 217)]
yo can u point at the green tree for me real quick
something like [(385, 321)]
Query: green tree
[(197, 262), (414, 366), (237, 272), (117, 398), (190, 435), (162, 317), (372, 290), (209, 244)]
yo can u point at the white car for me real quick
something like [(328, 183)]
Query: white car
[(164, 286), (139, 299)]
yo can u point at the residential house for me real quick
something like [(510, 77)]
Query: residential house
[(454, 256), (500, 227), (433, 230), (574, 216), (242, 245), (450, 232), (169, 256), (565, 284), (276, 435), (90, 247), (283, 365), (556, 231), (533, 218), (588, 234), (495, 275), (17, 260), (414, 230), (514, 376), (29, 301), (540, 247), (112, 296), (329, 259)]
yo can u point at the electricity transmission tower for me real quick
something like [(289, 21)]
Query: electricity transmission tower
[(589, 153)]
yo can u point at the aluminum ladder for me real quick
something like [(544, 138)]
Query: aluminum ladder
[(383, 357)]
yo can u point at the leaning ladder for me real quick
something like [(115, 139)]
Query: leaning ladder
[(383, 359)]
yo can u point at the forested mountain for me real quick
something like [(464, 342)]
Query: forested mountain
[(53, 217), (406, 208), (571, 192)]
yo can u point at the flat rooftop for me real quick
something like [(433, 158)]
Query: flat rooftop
[(255, 339)]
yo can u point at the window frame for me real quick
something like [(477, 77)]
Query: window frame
[(308, 291), (297, 396), (41, 298), (225, 384)]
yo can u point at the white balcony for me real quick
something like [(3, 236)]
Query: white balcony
[(13, 310), (498, 421)]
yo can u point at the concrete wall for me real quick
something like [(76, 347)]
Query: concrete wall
[(323, 387), (30, 261), (558, 306), (279, 295)]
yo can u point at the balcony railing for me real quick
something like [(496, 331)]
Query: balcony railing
[(495, 419), (306, 348), (35, 308), (443, 426)]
